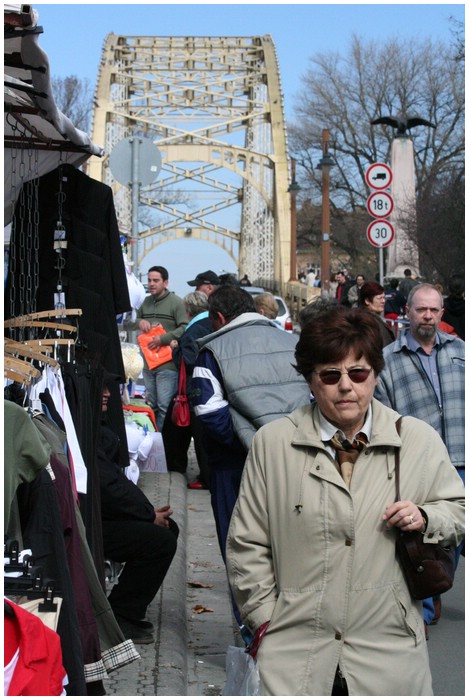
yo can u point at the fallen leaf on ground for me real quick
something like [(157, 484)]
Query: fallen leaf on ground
[(199, 584), (201, 608)]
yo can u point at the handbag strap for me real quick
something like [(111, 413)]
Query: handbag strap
[(397, 460), (182, 377)]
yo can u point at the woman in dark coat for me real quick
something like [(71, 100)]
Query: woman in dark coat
[(372, 298)]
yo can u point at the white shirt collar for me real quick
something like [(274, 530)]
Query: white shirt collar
[(328, 430)]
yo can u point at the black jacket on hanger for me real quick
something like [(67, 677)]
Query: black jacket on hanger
[(94, 277)]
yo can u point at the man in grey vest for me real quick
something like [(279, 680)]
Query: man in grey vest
[(243, 378)]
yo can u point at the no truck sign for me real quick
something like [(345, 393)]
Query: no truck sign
[(378, 176)]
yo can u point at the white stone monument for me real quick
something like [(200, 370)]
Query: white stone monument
[(402, 252)]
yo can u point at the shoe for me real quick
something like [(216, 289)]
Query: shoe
[(437, 609), (136, 633), (196, 485), (143, 624)]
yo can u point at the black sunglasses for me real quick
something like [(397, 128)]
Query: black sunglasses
[(332, 376)]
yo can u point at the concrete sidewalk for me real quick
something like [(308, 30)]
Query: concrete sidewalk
[(188, 657)]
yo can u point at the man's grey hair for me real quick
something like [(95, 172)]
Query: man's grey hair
[(424, 285)]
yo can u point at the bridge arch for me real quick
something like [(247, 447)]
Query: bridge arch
[(214, 108)]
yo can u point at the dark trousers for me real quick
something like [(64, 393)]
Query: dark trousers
[(147, 551), (176, 444)]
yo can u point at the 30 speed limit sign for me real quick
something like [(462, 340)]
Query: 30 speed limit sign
[(380, 233)]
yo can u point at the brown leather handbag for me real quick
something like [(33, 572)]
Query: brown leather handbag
[(428, 568)]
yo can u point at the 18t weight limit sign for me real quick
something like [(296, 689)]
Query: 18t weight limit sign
[(380, 205), (380, 233)]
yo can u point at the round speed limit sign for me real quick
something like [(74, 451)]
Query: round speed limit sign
[(380, 233)]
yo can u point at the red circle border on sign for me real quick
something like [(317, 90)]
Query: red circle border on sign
[(374, 223), (391, 201), (374, 187)]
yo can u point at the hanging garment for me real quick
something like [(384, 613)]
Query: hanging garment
[(83, 389), (91, 267), (114, 650), (52, 383), (34, 656), (43, 535), (26, 453)]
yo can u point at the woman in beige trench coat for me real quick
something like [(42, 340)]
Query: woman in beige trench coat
[(311, 553)]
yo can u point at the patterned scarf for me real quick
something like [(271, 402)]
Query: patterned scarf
[(347, 453)]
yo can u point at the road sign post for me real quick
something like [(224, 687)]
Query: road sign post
[(380, 204), (135, 161)]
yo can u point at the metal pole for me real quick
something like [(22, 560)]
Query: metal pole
[(293, 266), (381, 266), (135, 185), (325, 243)]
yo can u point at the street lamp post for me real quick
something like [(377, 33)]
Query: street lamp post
[(325, 165), (293, 190)]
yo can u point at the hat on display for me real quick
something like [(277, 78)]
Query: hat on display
[(208, 277)]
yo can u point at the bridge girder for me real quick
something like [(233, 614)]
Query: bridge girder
[(214, 108)]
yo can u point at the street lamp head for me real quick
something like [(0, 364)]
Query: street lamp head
[(326, 163), (294, 187)]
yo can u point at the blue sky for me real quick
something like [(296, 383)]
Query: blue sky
[(74, 35)]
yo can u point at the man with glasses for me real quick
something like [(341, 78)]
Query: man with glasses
[(424, 377)]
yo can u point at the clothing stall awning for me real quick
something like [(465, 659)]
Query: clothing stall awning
[(32, 119)]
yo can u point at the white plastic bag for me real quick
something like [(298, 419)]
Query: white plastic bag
[(242, 674)]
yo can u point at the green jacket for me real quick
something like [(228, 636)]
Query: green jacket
[(168, 310)]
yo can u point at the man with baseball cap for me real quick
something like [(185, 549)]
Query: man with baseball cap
[(205, 282)]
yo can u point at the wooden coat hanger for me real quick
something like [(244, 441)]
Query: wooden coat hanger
[(37, 320), (15, 349), (23, 321), (20, 370)]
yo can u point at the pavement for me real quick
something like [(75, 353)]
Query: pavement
[(192, 611)]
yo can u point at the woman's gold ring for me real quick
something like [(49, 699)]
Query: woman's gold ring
[(411, 519)]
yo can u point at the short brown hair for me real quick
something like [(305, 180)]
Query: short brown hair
[(334, 334), (369, 291)]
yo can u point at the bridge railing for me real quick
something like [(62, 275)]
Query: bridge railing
[(298, 295)]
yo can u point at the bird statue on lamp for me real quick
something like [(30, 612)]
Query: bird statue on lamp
[(403, 123)]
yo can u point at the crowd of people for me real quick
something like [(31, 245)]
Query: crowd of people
[(293, 437)]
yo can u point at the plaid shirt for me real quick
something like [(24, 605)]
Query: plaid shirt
[(404, 386)]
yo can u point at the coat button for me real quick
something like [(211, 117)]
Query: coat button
[(338, 636), (348, 543), (367, 452), (318, 467)]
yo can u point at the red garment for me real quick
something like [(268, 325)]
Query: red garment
[(39, 670), (446, 328)]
